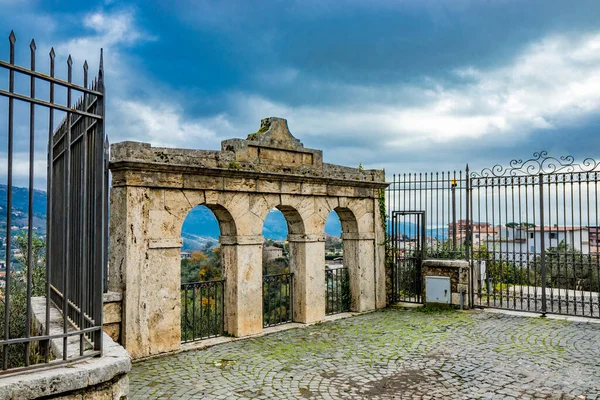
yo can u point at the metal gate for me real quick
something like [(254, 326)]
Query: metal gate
[(408, 247), (534, 236), (77, 211)]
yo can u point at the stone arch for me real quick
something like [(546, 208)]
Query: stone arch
[(347, 219), (227, 225), (294, 220)]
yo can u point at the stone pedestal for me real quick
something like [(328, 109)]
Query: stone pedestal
[(242, 263), (307, 255), (457, 271)]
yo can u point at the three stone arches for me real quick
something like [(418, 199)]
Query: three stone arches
[(154, 189)]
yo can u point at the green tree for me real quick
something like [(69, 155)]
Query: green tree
[(18, 297), (568, 268)]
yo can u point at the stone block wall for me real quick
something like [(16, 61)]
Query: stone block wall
[(111, 323), (457, 271)]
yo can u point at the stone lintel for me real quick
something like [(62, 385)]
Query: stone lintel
[(144, 174), (165, 243), (358, 236), (306, 238), (241, 239), (446, 263)]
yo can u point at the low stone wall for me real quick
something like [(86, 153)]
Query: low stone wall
[(457, 271), (102, 377), (93, 378)]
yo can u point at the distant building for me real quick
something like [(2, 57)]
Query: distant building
[(594, 234), (462, 224), (335, 263), (272, 253), (521, 242), (185, 255)]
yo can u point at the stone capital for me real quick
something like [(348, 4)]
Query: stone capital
[(358, 236), (306, 238), (241, 239)]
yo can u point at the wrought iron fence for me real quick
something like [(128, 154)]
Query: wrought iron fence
[(530, 230), (407, 253), (76, 228), (442, 197), (534, 236), (278, 299), (202, 310), (337, 290)]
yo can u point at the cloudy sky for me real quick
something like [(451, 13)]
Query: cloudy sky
[(403, 85)]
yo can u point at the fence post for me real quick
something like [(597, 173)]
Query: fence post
[(454, 215), (542, 244), (469, 234)]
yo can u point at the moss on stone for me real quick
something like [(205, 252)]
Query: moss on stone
[(260, 131)]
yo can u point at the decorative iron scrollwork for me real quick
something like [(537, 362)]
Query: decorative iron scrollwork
[(541, 163)]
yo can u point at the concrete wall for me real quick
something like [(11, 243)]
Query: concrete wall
[(154, 189)]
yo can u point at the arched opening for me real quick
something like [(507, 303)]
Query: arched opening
[(275, 247), (202, 272), (343, 283), (277, 277), (337, 277)]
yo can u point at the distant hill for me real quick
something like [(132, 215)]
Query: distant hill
[(410, 229), (21, 199), (20, 205)]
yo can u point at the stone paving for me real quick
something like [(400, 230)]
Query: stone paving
[(390, 354)]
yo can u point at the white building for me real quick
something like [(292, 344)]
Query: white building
[(525, 243), (272, 253)]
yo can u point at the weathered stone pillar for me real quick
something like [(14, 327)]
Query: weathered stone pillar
[(359, 257), (143, 259), (380, 267), (307, 262), (242, 263)]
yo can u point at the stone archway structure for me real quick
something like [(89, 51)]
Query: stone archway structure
[(153, 189)]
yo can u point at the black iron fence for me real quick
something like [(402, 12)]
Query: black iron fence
[(530, 230), (202, 310), (278, 299), (443, 198), (534, 236), (337, 290), (427, 216), (407, 252), (69, 269)]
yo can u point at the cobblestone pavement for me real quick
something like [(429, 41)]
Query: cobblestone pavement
[(390, 354)]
